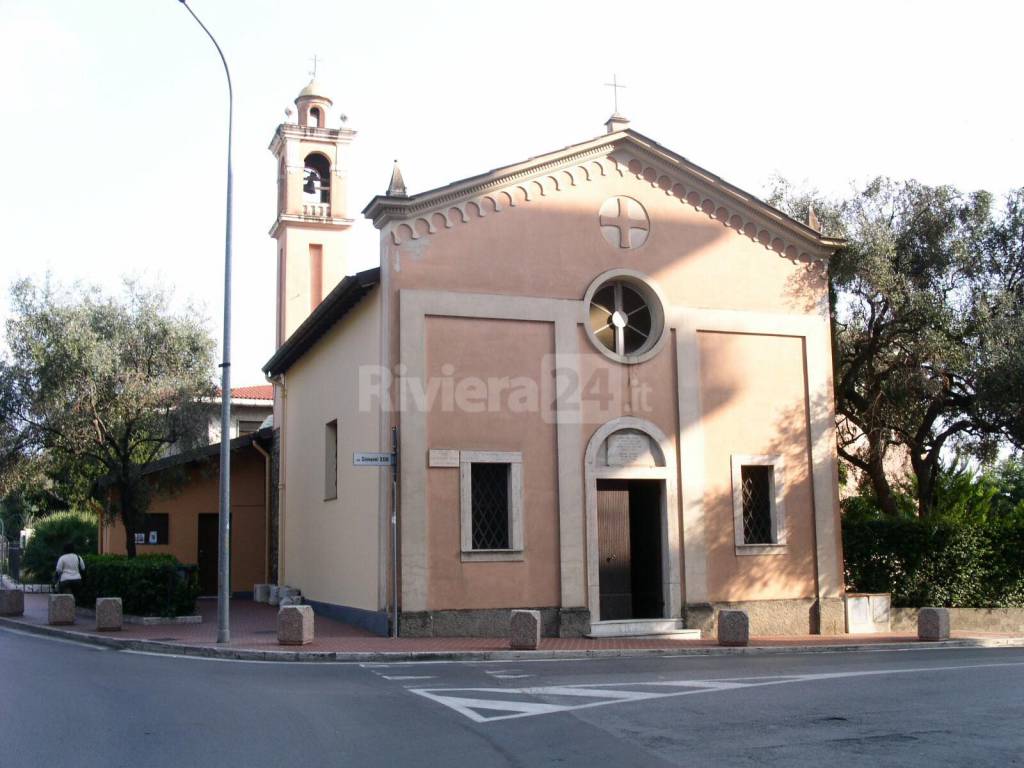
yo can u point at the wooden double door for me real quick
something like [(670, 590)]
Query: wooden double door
[(629, 526)]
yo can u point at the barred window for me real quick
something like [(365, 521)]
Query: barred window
[(756, 484), (490, 505)]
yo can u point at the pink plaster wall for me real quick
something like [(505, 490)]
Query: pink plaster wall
[(469, 346), (752, 393)]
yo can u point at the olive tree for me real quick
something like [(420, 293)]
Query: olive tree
[(928, 325), (100, 387)]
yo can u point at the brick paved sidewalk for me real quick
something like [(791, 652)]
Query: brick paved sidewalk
[(254, 628)]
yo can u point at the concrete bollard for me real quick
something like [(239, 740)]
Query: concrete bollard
[(295, 625), (261, 593), (61, 609), (12, 602), (524, 630), (109, 614), (733, 628), (273, 594), (933, 624)]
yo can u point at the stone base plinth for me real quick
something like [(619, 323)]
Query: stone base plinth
[(524, 630), (733, 628), (12, 602), (109, 614), (933, 624), (295, 625), (61, 610)]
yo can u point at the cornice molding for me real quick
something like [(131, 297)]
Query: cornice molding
[(308, 222), (286, 131), (623, 153)]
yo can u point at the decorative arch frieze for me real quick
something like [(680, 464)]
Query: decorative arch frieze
[(688, 189)]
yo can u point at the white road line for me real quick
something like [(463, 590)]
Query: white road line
[(408, 677), (470, 703), (508, 677)]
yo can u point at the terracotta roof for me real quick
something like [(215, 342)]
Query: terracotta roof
[(257, 392)]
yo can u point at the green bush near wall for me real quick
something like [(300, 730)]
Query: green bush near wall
[(951, 563), (49, 535), (148, 585)]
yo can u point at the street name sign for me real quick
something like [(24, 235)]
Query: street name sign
[(372, 459)]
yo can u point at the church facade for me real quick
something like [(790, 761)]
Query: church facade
[(608, 372)]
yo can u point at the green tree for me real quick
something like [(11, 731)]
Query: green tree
[(103, 386), (928, 323)]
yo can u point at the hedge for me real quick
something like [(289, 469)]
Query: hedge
[(951, 563), (148, 585), (49, 535)]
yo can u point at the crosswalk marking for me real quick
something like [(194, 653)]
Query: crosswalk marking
[(475, 704)]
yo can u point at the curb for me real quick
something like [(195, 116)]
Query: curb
[(208, 652)]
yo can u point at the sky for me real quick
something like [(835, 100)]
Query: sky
[(113, 113)]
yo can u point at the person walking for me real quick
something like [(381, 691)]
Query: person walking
[(70, 569)]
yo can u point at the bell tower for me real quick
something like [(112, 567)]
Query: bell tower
[(312, 223)]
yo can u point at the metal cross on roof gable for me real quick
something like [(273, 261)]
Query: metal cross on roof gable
[(615, 86)]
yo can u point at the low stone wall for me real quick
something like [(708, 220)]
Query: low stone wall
[(977, 619), (555, 622), (797, 616)]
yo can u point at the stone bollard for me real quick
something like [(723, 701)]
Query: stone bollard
[(261, 593), (109, 614), (61, 609), (273, 594), (524, 630), (12, 602), (295, 625), (733, 628), (933, 624)]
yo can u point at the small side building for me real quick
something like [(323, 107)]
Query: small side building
[(184, 522)]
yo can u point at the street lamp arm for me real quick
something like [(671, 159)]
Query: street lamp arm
[(219, 53)]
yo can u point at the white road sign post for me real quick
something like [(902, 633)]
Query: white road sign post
[(378, 459)]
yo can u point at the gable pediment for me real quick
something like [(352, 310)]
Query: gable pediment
[(624, 154)]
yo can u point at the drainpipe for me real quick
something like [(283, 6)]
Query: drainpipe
[(281, 464), (266, 509)]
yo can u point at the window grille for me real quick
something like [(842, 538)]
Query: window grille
[(489, 484), (757, 505)]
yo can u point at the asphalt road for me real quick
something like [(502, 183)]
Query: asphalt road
[(66, 704)]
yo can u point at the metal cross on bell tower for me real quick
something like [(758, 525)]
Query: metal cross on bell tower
[(316, 60)]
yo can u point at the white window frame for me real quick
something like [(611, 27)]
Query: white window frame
[(775, 497), (515, 505)]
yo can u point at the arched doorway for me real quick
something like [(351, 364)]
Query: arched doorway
[(633, 547)]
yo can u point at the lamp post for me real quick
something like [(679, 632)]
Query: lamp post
[(224, 510)]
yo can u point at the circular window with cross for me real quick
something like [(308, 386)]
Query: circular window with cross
[(624, 222), (625, 319)]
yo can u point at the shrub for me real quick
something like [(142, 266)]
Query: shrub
[(148, 585), (50, 535), (946, 562)]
